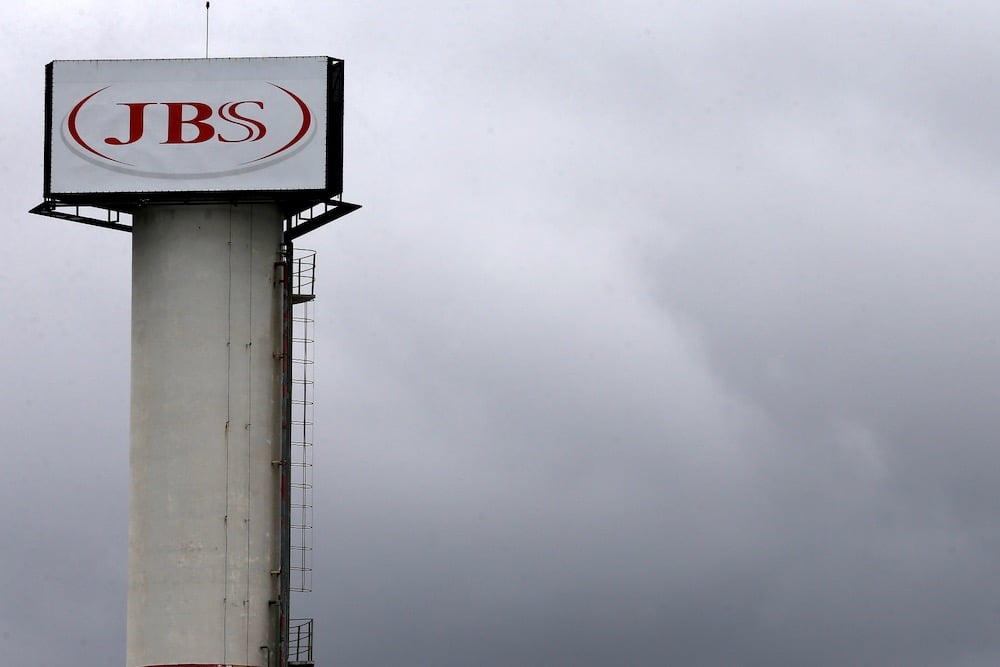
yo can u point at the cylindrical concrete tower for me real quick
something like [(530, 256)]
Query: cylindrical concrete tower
[(221, 164), (204, 547)]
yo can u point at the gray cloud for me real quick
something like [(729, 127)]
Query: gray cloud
[(665, 337)]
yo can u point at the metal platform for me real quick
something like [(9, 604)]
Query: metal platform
[(301, 217)]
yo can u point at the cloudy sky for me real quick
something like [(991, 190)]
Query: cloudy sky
[(668, 335)]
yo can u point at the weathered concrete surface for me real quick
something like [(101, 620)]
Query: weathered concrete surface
[(206, 393)]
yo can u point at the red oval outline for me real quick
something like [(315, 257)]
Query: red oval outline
[(71, 124), (306, 124), (303, 130)]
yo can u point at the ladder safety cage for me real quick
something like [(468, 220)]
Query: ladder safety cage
[(301, 419)]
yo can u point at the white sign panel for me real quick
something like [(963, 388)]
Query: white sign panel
[(198, 126)]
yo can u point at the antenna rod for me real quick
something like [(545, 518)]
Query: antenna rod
[(207, 3)]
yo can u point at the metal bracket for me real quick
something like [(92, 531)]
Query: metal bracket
[(83, 214), (298, 220), (315, 216)]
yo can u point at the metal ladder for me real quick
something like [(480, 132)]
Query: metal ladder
[(303, 275), (303, 356)]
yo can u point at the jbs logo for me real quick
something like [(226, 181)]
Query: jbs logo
[(186, 137), (196, 116)]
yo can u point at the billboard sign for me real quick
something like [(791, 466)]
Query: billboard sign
[(134, 129)]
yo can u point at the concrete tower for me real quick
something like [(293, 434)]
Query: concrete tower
[(221, 165), (204, 517)]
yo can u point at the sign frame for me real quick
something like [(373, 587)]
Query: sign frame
[(124, 199)]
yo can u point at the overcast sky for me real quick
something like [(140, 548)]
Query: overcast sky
[(668, 334)]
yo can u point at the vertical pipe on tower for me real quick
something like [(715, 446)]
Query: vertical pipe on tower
[(204, 520), (285, 484)]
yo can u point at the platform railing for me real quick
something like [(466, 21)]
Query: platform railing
[(300, 641)]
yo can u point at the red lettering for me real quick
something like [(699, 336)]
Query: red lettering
[(255, 130), (176, 122), (136, 114)]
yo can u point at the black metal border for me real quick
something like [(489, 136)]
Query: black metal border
[(335, 126), (47, 187)]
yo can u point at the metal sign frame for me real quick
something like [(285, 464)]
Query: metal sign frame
[(288, 197), (303, 209), (300, 217)]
